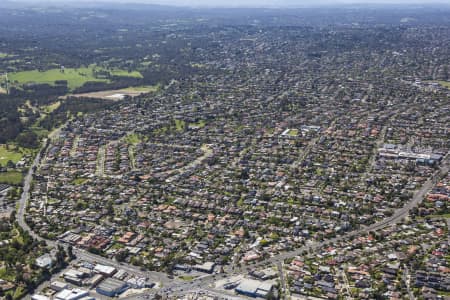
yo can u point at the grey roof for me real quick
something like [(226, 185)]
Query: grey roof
[(111, 285)]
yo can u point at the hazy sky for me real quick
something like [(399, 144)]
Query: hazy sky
[(251, 3), (277, 2)]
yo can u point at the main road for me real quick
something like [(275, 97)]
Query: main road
[(79, 253), (25, 195), (399, 214), (174, 286)]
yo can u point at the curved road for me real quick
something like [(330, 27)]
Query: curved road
[(81, 254), (25, 195), (399, 214), (174, 286)]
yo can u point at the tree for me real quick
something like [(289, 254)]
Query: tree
[(70, 252), (270, 296), (60, 255), (110, 208), (10, 164), (19, 277), (12, 217), (28, 139), (122, 255)]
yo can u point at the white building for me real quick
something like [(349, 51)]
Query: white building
[(39, 297), (58, 286), (105, 270), (44, 261), (74, 294)]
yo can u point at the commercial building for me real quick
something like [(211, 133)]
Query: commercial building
[(74, 294), (254, 288), (105, 270), (96, 279), (39, 297), (207, 267), (44, 261), (111, 287), (58, 286)]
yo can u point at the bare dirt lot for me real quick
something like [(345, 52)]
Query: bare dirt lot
[(114, 94)]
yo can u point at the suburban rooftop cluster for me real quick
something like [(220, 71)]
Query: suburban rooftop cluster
[(238, 166)]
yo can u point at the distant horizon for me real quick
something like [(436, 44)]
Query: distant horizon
[(239, 3)]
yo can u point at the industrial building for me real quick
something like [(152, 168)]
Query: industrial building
[(44, 261), (207, 267), (58, 286), (74, 294), (254, 288), (39, 297), (108, 271), (111, 287)]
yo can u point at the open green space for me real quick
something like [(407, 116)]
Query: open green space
[(125, 73), (445, 84), (161, 130), (133, 139), (75, 77), (51, 107), (187, 277), (12, 177), (3, 55), (199, 124), (19, 293), (179, 124), (78, 181), (446, 216), (293, 132), (12, 153)]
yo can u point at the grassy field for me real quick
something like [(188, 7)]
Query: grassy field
[(12, 154), (50, 108), (133, 139), (446, 216), (199, 124), (180, 125), (445, 84), (3, 55), (293, 132), (74, 77), (11, 178), (78, 181), (187, 277), (125, 73)]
